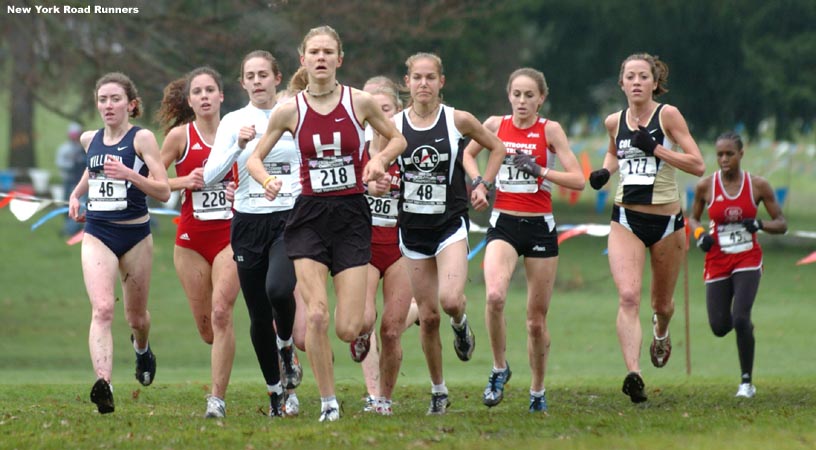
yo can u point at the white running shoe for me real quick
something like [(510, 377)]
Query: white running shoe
[(370, 404), (291, 407), (330, 415), (216, 408), (746, 390)]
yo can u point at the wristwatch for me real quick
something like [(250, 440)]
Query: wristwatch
[(476, 181)]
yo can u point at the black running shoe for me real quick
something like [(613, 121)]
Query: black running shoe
[(145, 366), (275, 405), (633, 387), (464, 341), (292, 373), (102, 395)]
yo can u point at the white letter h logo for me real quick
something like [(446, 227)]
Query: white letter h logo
[(321, 149)]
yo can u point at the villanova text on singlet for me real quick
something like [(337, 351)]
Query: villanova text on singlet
[(108, 198), (433, 190), (517, 190), (331, 148), (644, 180), (727, 212), (210, 202)]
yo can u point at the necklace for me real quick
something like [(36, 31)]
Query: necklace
[(637, 118), (425, 116), (322, 94)]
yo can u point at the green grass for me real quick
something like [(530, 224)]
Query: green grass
[(45, 372), (582, 415)]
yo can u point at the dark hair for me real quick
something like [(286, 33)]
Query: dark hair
[(660, 71), (127, 84), (175, 110), (731, 136), (260, 54), (532, 74)]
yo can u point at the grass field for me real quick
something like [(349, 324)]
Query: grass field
[(45, 372)]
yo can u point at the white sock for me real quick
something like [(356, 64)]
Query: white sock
[(282, 343), (328, 403), (537, 393), (274, 389), (439, 388), (140, 351), (461, 324)]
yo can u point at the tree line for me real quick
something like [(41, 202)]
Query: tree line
[(730, 61)]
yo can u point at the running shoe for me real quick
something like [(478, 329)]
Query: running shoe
[(291, 405), (216, 408), (145, 365), (330, 414), (292, 371), (746, 390), (494, 391), (370, 404), (275, 405), (538, 403), (102, 396), (360, 347), (660, 350), (463, 341), (439, 404), (633, 387), (384, 408)]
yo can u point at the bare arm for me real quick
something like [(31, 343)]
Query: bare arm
[(763, 192), (691, 160), (282, 120), (155, 184), (390, 142), (701, 195), (469, 126), (473, 148), (171, 150), (610, 161), (572, 176)]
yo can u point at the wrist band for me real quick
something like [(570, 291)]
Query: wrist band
[(268, 179), (698, 231), (546, 171)]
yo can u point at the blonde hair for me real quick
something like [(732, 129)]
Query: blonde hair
[(299, 81), (127, 84), (660, 71), (409, 63), (323, 29), (381, 84)]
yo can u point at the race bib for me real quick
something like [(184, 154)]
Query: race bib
[(106, 194), (286, 195), (514, 181), (210, 203), (383, 210), (425, 194), (734, 238), (638, 171), (332, 173)]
